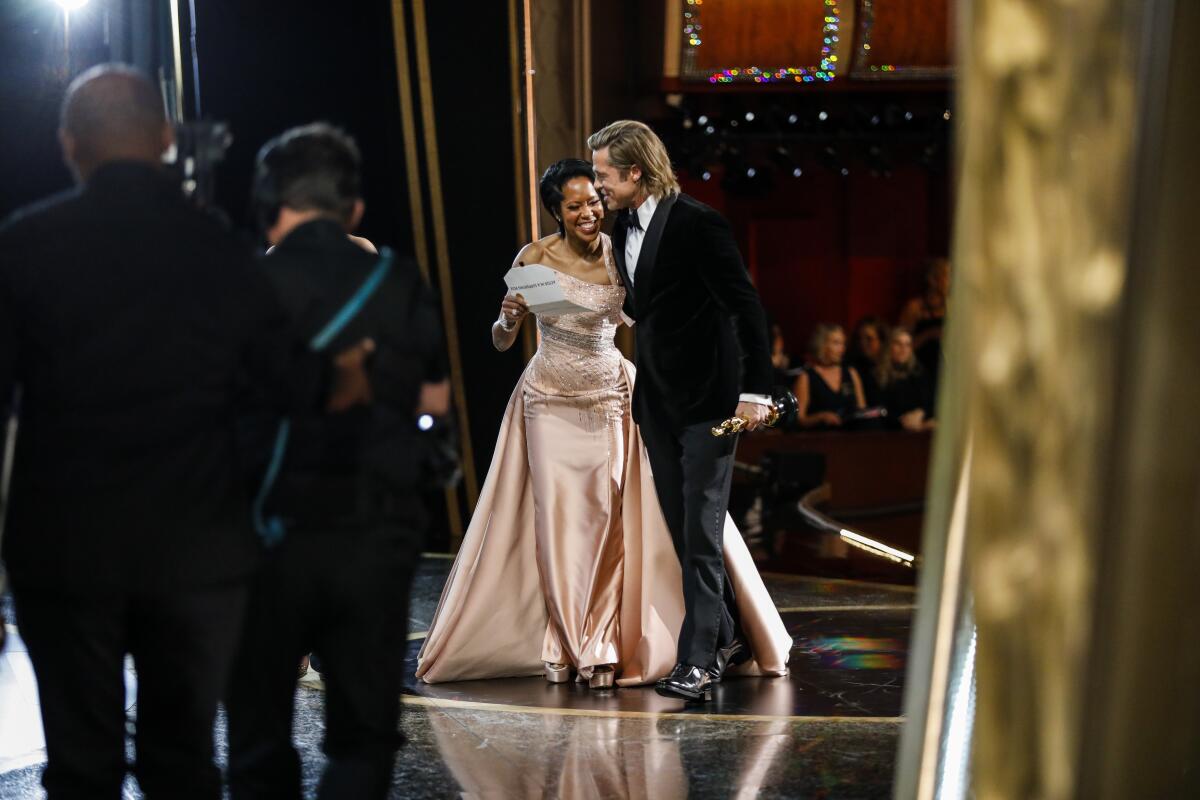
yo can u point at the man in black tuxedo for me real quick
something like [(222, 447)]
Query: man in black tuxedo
[(702, 355), (131, 320)]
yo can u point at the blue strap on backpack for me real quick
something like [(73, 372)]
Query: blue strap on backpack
[(272, 529)]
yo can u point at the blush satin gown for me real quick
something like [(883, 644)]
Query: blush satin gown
[(567, 558)]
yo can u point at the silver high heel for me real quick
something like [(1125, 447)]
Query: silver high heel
[(557, 673), (602, 677)]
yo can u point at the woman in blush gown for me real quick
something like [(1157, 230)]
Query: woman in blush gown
[(567, 565)]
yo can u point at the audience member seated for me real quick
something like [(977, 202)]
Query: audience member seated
[(905, 385), (829, 392), (781, 362), (866, 353), (925, 315)]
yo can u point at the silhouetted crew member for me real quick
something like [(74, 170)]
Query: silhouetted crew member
[(130, 319), (342, 498)]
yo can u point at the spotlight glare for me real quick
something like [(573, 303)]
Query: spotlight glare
[(797, 172), (707, 176), (749, 116), (824, 115), (703, 119), (425, 422), (793, 119), (71, 5), (750, 173)]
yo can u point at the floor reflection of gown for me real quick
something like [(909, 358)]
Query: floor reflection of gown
[(567, 558)]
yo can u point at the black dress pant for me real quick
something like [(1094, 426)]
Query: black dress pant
[(341, 594), (692, 473), (182, 644)]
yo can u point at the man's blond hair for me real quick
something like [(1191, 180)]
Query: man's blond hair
[(631, 143)]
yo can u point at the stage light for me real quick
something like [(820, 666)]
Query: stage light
[(878, 548), (703, 120), (751, 172), (425, 422), (749, 116), (710, 130), (908, 115), (946, 116), (793, 119), (824, 115), (706, 176), (71, 5), (797, 172)]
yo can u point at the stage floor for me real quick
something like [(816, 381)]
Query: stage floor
[(829, 729)]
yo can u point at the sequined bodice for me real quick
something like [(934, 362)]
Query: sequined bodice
[(577, 354)]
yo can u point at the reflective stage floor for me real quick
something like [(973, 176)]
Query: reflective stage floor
[(828, 730)]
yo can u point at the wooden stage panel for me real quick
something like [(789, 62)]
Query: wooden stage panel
[(762, 33), (911, 33), (865, 469)]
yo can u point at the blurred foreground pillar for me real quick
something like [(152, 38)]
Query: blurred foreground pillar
[(1072, 373)]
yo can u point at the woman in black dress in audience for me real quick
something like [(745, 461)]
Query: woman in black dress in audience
[(904, 384), (868, 346), (781, 362), (829, 392), (924, 317)]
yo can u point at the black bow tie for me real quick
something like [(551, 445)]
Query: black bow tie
[(633, 221)]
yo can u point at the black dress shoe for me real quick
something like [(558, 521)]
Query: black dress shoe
[(687, 682), (736, 652)]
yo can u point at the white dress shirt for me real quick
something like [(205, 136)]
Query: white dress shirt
[(635, 237), (633, 249)]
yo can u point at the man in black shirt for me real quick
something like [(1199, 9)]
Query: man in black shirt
[(342, 515), (130, 319)]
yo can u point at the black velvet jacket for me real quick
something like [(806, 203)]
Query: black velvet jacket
[(700, 329)]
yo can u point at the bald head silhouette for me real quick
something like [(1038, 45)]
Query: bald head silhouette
[(112, 112)]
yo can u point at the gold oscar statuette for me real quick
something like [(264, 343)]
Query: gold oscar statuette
[(781, 407)]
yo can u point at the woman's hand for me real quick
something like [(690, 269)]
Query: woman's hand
[(513, 309), (504, 330), (829, 418)]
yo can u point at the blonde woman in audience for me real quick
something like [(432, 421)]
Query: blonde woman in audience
[(829, 392), (905, 386)]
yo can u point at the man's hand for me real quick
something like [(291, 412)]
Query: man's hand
[(755, 415), (351, 386)]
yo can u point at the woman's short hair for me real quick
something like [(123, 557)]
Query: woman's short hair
[(817, 343), (313, 167), (631, 143), (555, 178)]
